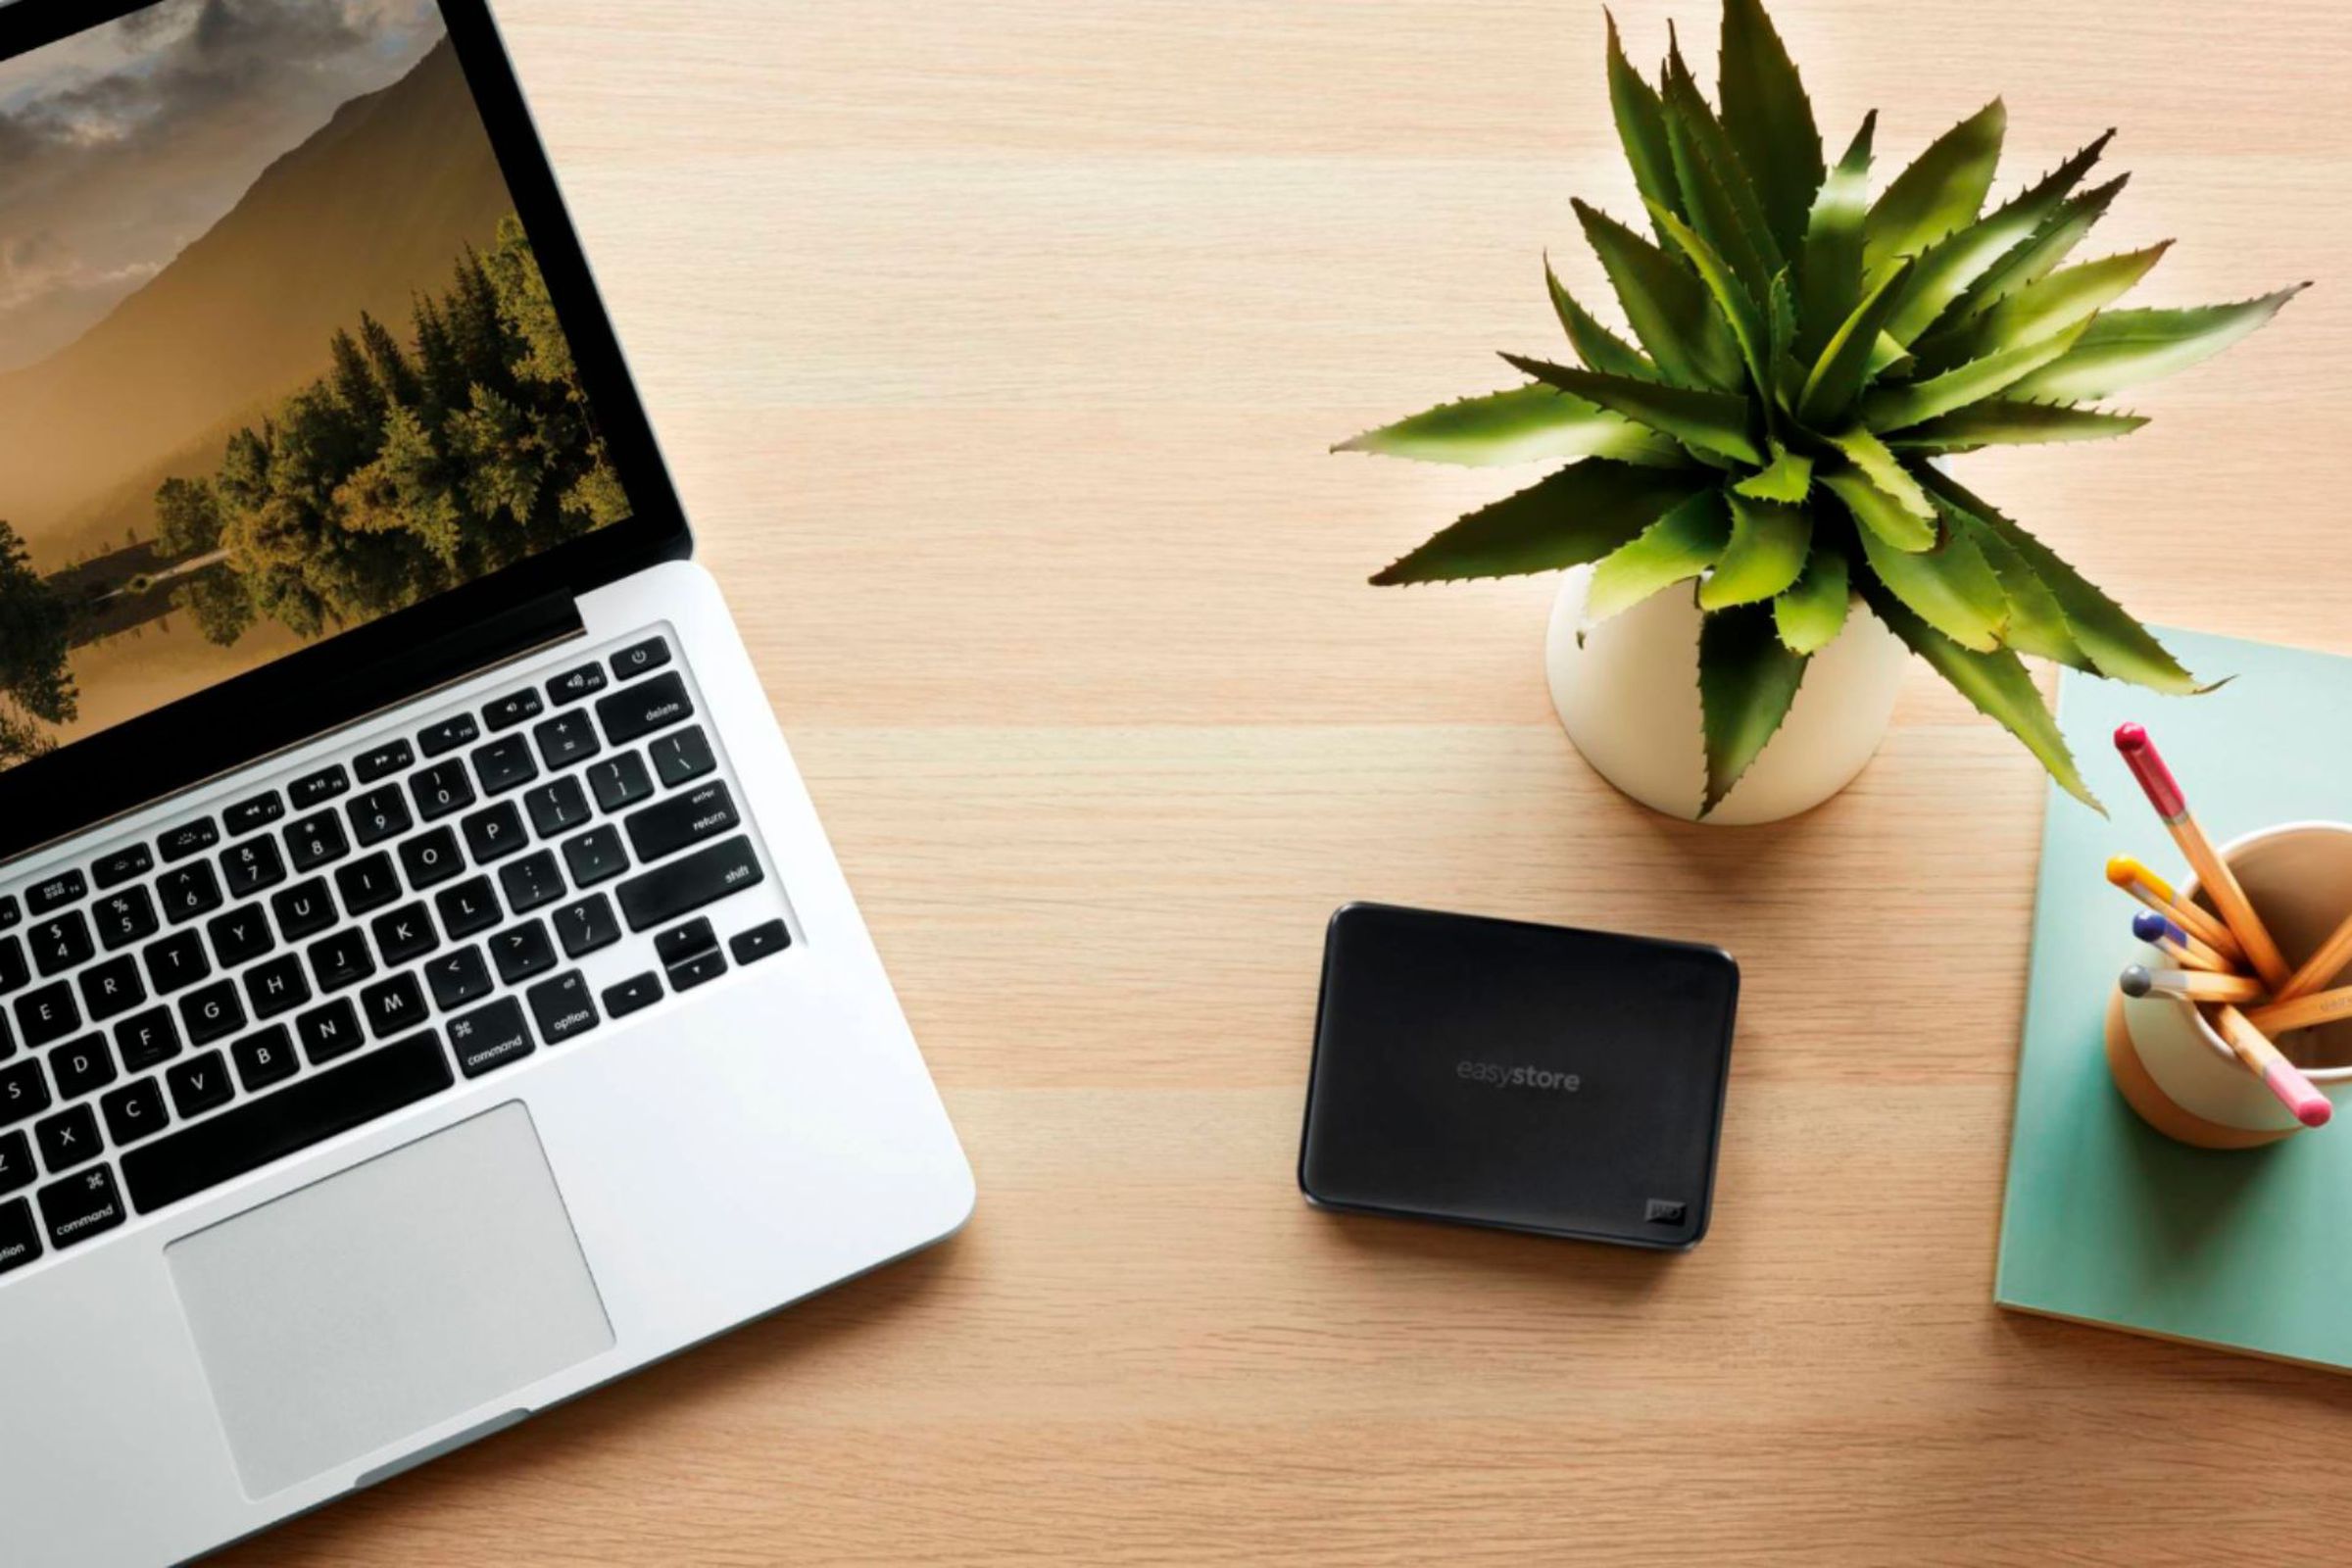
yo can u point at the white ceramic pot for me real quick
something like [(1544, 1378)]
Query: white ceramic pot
[(1627, 696), (2174, 1070)]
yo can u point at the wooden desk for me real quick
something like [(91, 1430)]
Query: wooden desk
[(997, 344)]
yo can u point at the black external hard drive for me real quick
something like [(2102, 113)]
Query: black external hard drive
[(1527, 1077)]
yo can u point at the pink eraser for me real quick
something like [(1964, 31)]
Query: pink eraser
[(2310, 1108), (2147, 766)]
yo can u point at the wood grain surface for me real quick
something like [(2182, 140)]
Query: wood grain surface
[(997, 345)]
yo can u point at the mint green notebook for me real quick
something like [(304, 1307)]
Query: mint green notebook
[(2106, 1221)]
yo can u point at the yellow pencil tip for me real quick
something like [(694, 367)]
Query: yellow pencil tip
[(2122, 871)]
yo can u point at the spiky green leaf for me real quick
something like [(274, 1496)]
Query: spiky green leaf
[(1899, 408), (1781, 329), (1678, 546), (1883, 517), (2064, 298), (1576, 515), (1843, 369), (2036, 624), (1669, 308), (1788, 477), (1886, 470), (1642, 129), (2036, 258), (1951, 264), (1952, 587), (1732, 301), (1719, 199), (1767, 115), (1830, 275), (1716, 422), (2124, 348), (1765, 553), (2006, 423), (1747, 678), (2115, 643), (1600, 348), (1996, 683), (1942, 190), (1525, 424), (1811, 613)]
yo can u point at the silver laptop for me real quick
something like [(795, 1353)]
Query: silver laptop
[(425, 990)]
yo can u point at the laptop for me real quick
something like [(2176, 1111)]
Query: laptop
[(425, 990)]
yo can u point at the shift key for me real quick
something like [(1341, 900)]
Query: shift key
[(688, 883)]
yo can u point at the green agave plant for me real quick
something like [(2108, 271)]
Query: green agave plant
[(1805, 355)]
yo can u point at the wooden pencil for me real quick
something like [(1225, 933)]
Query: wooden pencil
[(2220, 883), (2161, 933), (2160, 896), (2322, 966), (2278, 1075), (2304, 1012), (2190, 985)]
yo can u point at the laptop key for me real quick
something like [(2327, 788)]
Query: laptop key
[(23, 1091), (199, 1084), (531, 881), (10, 912), (20, 1237), (13, 970), (505, 764), (640, 658), (684, 885), (317, 789), (430, 858), (562, 1007), (458, 978), (441, 788), (318, 839), (393, 1004), (448, 735), (212, 1011), (240, 935), (683, 755), (379, 814), (565, 739), (389, 757), (186, 1162), (264, 1059), (112, 870), (80, 1206), (468, 907), (495, 832), (125, 917), (56, 891), (134, 1111), (251, 866), (110, 989), (16, 1163), (513, 708), (595, 856), (189, 837), (489, 1036), (620, 781), (586, 926), (522, 950), (575, 684), (304, 909), (404, 934), (330, 1032), (685, 818), (80, 1066), (685, 941), (367, 883), (175, 961), (46, 1013), (637, 992), (340, 960), (259, 811), (188, 892), (759, 942), (700, 969), (277, 986), (60, 942), (146, 1039), (556, 806), (639, 710), (68, 1138)]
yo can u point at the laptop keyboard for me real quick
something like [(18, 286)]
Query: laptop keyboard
[(189, 1008)]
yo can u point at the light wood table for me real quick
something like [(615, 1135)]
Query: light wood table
[(996, 345)]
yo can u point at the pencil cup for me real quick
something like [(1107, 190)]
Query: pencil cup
[(2181, 1076)]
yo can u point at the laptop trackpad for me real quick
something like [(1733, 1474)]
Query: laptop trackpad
[(387, 1300)]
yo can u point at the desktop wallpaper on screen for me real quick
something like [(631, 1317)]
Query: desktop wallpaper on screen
[(276, 356)]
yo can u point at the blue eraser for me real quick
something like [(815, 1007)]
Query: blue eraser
[(2148, 925)]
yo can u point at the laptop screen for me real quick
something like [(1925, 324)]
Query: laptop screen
[(276, 358)]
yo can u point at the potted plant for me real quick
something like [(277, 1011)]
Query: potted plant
[(1754, 490)]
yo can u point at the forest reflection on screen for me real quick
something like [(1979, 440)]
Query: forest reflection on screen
[(276, 355)]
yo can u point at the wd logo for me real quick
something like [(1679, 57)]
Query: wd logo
[(1665, 1212)]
